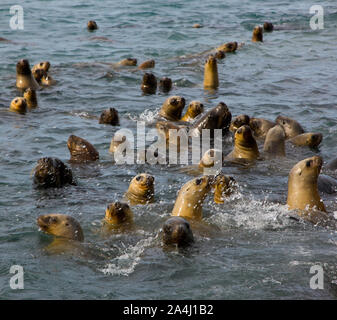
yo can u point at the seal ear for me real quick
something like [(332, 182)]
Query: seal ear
[(298, 171)]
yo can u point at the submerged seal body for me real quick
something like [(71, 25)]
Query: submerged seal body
[(177, 231), (141, 189), (147, 64), (81, 150), (211, 77), (24, 76)]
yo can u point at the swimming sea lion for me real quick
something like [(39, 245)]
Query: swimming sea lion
[(257, 34), (211, 78), (45, 65), (81, 150), (177, 231), (210, 158), (260, 127), (172, 108), (308, 139), (52, 173), (218, 117), (38, 74), (193, 110), (223, 186), (191, 197), (61, 225), (117, 213), (149, 83), (109, 116), (116, 141), (228, 47), (274, 145), (30, 97), (245, 146), (92, 25), (220, 54), (141, 189), (24, 77), (129, 62), (147, 64), (332, 165), (302, 185), (47, 80), (291, 127), (239, 121), (18, 105), (165, 84), (268, 27), (197, 25)]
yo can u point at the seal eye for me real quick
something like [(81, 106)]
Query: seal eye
[(308, 163), (67, 224), (138, 178), (198, 181)]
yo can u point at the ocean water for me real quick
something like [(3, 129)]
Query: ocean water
[(246, 248)]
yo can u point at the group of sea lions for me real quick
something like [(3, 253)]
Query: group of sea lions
[(303, 181)]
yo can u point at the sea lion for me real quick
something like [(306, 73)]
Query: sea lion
[(129, 62), (268, 27), (81, 150), (172, 108), (24, 77), (220, 54), (147, 64), (211, 78), (52, 173), (193, 110), (257, 34), (109, 116), (45, 65), (118, 213), (149, 83), (245, 146), (92, 25), (165, 129), (30, 97), (38, 74), (191, 197), (302, 185), (308, 139), (18, 105), (47, 80), (197, 26), (177, 231), (141, 189), (228, 47), (332, 165), (210, 158), (218, 117), (274, 145), (291, 127), (260, 127), (327, 184), (223, 186), (116, 141), (239, 121), (165, 84), (61, 225)]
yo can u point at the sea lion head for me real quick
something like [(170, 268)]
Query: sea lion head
[(239, 121), (245, 144), (116, 141), (257, 34), (193, 110), (47, 80), (149, 83), (314, 139), (211, 158), (211, 77), (223, 186), (81, 150), (109, 116), (147, 64), (61, 225), (291, 127), (44, 65), (30, 96), (117, 213), (220, 54), (177, 231), (229, 47), (268, 27), (92, 25), (38, 74), (141, 189), (23, 67), (260, 126), (172, 108), (18, 105), (128, 62), (165, 84)]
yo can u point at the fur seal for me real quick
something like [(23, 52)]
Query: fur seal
[(128, 62), (223, 186), (228, 47), (302, 185), (149, 83), (211, 158), (92, 25), (260, 127), (218, 117), (147, 64), (109, 116), (191, 197), (44, 65), (239, 121), (118, 213), (211, 78), (177, 231), (81, 150), (268, 27), (274, 145), (47, 80), (193, 110), (245, 146), (309, 139), (24, 77), (52, 173), (257, 34), (291, 127), (30, 97), (165, 84), (38, 74), (141, 189), (61, 225), (172, 108), (332, 165), (18, 105)]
